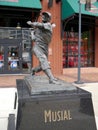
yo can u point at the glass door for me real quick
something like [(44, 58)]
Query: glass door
[(1, 58), (10, 56)]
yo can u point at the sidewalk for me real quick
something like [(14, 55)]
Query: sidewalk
[(87, 75), (9, 80)]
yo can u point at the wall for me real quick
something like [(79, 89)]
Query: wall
[(55, 49), (96, 44)]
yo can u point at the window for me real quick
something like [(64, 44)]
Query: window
[(70, 49)]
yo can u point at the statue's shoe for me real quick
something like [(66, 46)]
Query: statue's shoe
[(54, 81), (33, 71)]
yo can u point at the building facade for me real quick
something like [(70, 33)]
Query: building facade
[(15, 40), (89, 26), (16, 44), (55, 48), (15, 13)]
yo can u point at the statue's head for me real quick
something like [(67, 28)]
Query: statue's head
[(46, 17)]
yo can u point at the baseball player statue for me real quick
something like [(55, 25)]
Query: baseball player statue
[(42, 37)]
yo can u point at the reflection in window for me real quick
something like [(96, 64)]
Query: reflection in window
[(1, 58), (26, 55), (13, 58)]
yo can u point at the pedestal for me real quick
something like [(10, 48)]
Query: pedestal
[(60, 107)]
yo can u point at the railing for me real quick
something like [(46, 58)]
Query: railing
[(14, 33)]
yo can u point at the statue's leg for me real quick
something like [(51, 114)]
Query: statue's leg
[(36, 70), (44, 63), (52, 79)]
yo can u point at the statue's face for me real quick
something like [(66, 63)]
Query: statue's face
[(43, 18), (46, 17)]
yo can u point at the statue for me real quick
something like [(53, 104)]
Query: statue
[(42, 35)]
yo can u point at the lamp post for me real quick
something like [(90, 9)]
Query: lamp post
[(87, 8)]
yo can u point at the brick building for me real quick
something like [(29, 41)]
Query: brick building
[(13, 17), (55, 49), (15, 43)]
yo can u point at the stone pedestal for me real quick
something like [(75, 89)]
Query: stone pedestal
[(44, 106)]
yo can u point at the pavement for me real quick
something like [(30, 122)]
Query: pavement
[(89, 77)]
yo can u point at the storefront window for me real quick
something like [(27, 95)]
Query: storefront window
[(15, 50), (26, 51), (1, 58), (13, 58), (70, 49)]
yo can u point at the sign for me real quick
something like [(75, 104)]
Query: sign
[(21, 3), (84, 1), (9, 0), (94, 9)]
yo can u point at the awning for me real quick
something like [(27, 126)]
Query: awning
[(70, 7), (22, 3)]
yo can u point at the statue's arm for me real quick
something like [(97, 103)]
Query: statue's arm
[(35, 24)]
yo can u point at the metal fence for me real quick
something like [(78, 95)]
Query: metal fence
[(14, 33)]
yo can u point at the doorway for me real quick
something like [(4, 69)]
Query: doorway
[(10, 56)]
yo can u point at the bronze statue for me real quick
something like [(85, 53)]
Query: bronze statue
[(42, 37)]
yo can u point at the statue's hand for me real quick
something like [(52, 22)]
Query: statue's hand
[(29, 22)]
